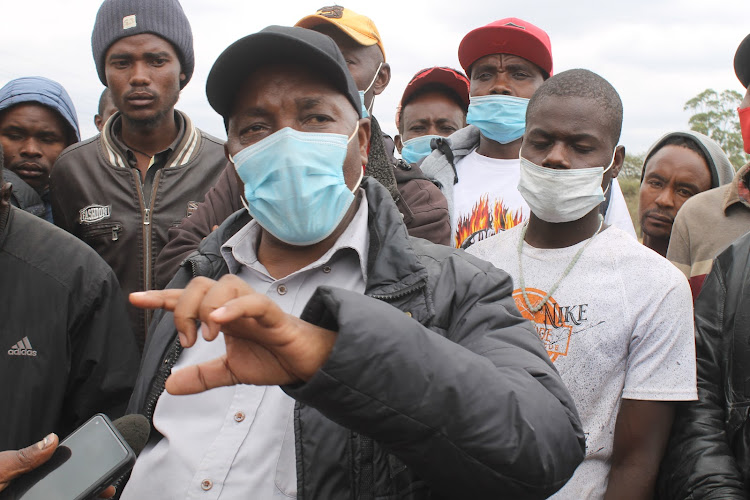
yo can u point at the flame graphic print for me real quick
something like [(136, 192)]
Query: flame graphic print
[(484, 220)]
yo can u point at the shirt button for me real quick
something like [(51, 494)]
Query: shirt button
[(239, 416), (326, 269), (281, 289), (206, 484)]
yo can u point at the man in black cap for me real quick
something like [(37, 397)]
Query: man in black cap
[(122, 190), (371, 364)]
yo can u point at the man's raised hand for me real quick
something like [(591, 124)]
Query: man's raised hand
[(264, 345)]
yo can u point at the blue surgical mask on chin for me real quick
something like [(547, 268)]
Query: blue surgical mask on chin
[(294, 184), (501, 118), (417, 148), (365, 111)]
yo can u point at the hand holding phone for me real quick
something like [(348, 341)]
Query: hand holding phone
[(86, 462)]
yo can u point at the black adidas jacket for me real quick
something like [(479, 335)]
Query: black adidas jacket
[(65, 340)]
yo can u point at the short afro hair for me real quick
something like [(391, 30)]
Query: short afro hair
[(584, 84)]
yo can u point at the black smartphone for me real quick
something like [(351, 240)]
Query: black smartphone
[(84, 463)]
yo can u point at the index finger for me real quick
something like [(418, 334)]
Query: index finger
[(157, 299)]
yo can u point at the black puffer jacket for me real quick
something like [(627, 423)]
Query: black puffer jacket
[(67, 349), (457, 398), (708, 455)]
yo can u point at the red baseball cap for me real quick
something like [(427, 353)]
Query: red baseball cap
[(452, 79), (507, 36)]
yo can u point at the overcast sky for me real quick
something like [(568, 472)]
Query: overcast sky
[(656, 53)]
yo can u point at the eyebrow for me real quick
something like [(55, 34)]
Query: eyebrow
[(306, 103), (256, 111), (688, 185), (516, 66), (570, 138), (650, 175), (150, 55), (484, 67)]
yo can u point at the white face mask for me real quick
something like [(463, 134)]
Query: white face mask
[(365, 110), (561, 195)]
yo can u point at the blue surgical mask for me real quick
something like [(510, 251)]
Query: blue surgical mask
[(417, 148), (501, 118), (294, 184), (365, 111)]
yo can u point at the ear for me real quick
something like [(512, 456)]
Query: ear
[(98, 122), (619, 161), (363, 136), (384, 77), (183, 77), (399, 144)]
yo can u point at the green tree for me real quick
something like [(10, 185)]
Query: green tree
[(632, 166), (715, 115)]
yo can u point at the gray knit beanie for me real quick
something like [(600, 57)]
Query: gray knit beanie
[(722, 171), (118, 19)]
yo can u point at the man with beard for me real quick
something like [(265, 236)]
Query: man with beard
[(37, 121), (677, 167), (122, 190)]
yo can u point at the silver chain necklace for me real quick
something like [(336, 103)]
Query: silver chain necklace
[(536, 308)]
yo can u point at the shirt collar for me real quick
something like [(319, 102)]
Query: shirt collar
[(738, 190), (240, 249)]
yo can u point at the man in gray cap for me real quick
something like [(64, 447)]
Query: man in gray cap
[(678, 166), (123, 189), (391, 367), (37, 121)]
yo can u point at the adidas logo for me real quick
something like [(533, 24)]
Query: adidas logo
[(22, 348)]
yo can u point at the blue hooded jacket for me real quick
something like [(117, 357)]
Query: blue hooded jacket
[(40, 90), (43, 91)]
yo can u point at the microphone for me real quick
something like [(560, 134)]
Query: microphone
[(135, 430)]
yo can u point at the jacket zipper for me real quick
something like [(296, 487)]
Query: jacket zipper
[(146, 216), (403, 293), (173, 354)]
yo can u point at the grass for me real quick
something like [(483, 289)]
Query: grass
[(630, 187)]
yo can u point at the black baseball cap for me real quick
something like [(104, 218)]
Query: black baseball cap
[(742, 62), (277, 44)]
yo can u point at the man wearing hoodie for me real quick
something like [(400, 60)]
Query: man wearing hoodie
[(678, 166), (477, 168), (37, 121), (709, 222)]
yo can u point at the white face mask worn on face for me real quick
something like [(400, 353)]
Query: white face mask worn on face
[(365, 110), (561, 195)]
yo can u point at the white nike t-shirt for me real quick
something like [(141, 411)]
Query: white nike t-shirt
[(486, 200), (620, 325)]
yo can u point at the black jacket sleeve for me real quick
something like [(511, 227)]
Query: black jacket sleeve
[(472, 404), (104, 361), (699, 463)]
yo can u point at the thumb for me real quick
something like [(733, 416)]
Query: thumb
[(15, 463)]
